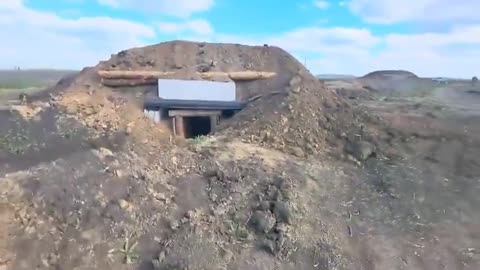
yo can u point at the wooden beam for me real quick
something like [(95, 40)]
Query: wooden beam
[(213, 122), (248, 75), (128, 82), (133, 74), (179, 126), (193, 113)]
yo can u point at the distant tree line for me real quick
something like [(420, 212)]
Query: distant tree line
[(474, 80)]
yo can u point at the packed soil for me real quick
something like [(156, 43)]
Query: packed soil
[(302, 178)]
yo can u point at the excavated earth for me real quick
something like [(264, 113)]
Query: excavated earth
[(299, 179)]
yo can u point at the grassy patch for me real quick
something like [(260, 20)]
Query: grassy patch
[(25, 79), (128, 249), (17, 140), (15, 83), (15, 144), (237, 230), (198, 140)]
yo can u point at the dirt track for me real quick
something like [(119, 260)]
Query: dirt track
[(80, 192)]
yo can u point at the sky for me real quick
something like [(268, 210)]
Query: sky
[(427, 37)]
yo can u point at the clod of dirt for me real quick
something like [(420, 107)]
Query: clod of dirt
[(204, 67), (363, 150), (281, 212), (29, 112), (264, 206), (273, 242), (273, 193), (227, 255), (297, 151), (73, 109), (279, 182), (261, 222), (103, 153), (268, 245)]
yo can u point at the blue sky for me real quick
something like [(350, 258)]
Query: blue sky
[(428, 37)]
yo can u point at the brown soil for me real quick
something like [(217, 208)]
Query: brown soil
[(300, 179)]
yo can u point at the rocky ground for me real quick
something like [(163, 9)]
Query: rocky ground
[(303, 178)]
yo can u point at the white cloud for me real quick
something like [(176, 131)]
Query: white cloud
[(321, 4), (358, 51), (307, 41), (6, 4), (325, 40), (395, 11), (196, 27), (454, 53), (43, 39), (177, 8)]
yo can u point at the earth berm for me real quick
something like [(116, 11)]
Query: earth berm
[(299, 179)]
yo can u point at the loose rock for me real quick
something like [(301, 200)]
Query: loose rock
[(72, 109), (269, 246), (363, 150), (273, 194), (264, 206), (297, 151), (227, 255)]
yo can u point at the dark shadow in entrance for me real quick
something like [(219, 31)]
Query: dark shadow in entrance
[(197, 126)]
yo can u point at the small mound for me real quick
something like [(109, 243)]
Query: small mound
[(400, 74), (304, 119), (107, 113)]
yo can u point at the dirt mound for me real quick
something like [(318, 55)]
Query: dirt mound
[(389, 74), (106, 112), (89, 182), (397, 83), (292, 112)]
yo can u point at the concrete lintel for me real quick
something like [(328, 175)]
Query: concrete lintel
[(191, 113)]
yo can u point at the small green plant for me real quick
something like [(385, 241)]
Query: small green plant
[(128, 249), (238, 231), (14, 144), (199, 139)]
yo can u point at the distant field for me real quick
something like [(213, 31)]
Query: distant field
[(30, 79), (15, 82)]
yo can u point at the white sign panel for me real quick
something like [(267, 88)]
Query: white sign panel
[(196, 90)]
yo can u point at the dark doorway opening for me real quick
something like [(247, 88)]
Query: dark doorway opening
[(197, 126), (226, 114)]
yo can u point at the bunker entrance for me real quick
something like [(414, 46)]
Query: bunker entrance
[(197, 126)]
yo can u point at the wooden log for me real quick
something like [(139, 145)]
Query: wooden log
[(133, 74), (179, 127), (213, 123), (128, 83), (250, 75), (215, 76), (238, 75)]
